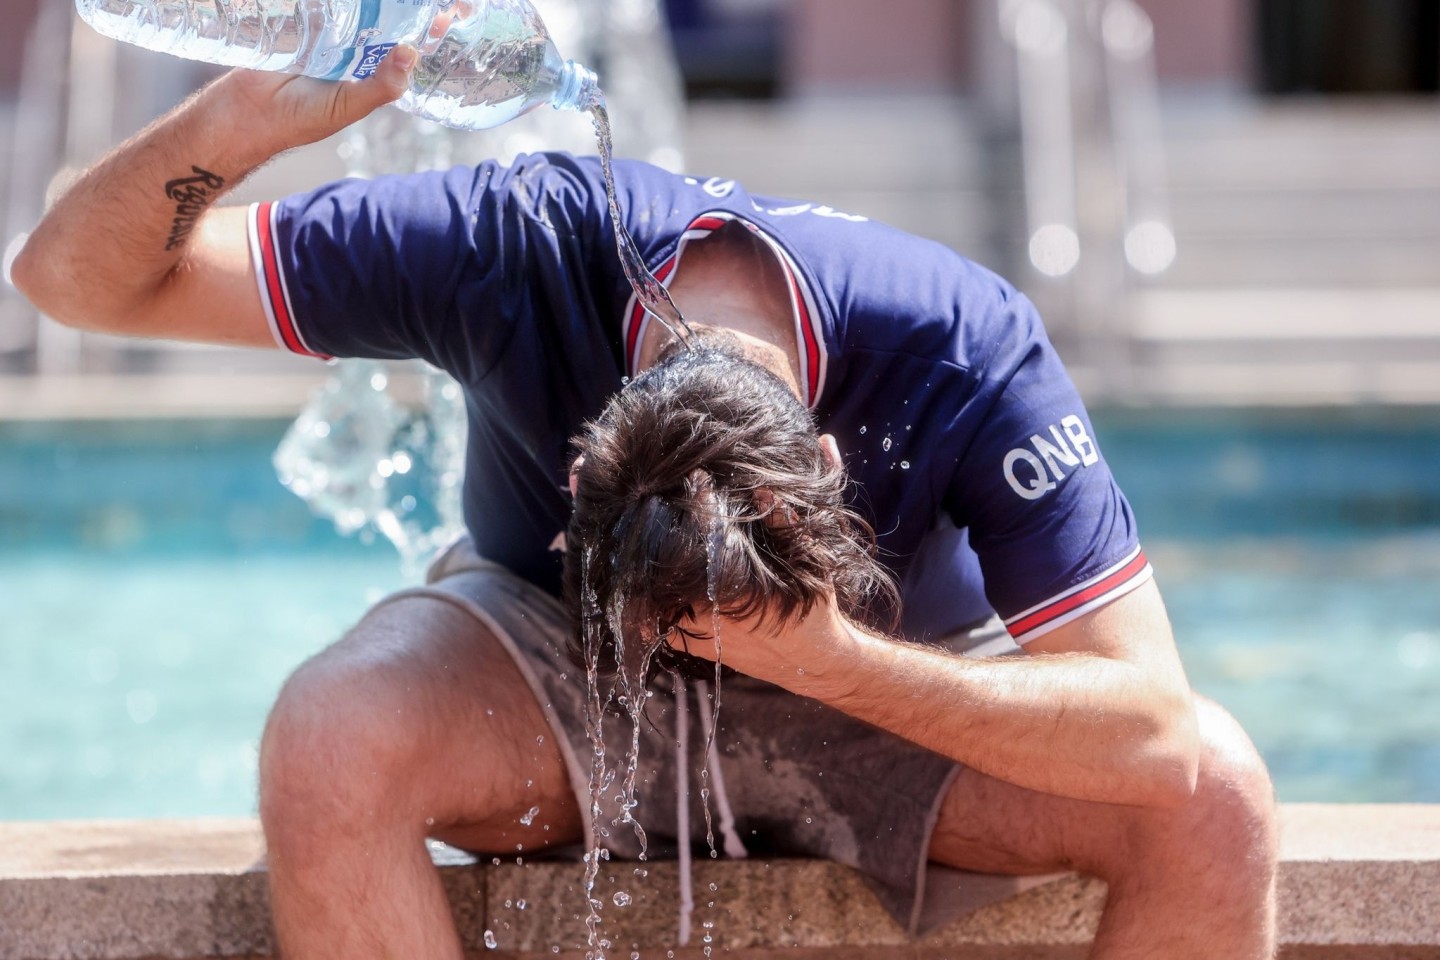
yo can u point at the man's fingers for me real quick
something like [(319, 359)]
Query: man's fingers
[(399, 64), (356, 100)]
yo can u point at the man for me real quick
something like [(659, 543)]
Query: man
[(449, 712)]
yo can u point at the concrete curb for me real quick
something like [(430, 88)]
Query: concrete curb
[(1357, 882)]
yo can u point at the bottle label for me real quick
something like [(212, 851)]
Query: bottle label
[(370, 59), (380, 25)]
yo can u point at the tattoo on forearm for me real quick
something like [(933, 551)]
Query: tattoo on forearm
[(191, 195)]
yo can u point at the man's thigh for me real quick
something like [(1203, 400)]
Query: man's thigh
[(426, 698)]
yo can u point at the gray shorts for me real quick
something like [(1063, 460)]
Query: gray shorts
[(788, 776)]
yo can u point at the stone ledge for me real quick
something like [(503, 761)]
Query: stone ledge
[(1358, 882)]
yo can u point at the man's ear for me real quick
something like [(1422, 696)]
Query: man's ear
[(575, 476), (831, 450)]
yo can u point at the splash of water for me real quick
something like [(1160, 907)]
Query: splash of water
[(360, 458)]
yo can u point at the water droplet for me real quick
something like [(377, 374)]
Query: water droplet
[(509, 904), (621, 898), (104, 665), (809, 819), (141, 705), (490, 942), (863, 428), (540, 739), (496, 861), (429, 821), (520, 904), (904, 464), (641, 872), (529, 816), (886, 443)]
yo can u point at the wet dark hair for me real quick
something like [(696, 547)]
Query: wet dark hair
[(705, 478)]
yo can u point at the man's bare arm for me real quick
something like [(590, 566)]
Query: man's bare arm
[(1099, 710), (136, 246)]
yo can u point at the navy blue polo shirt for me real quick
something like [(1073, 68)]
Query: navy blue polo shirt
[(971, 453)]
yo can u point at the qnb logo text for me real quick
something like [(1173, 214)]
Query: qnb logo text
[(1034, 470)]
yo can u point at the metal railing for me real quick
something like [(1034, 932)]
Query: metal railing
[(1096, 212)]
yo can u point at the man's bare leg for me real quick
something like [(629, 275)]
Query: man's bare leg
[(1197, 881), (416, 724)]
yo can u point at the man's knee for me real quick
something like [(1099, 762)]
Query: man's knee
[(1235, 796), (1228, 826), (340, 744)]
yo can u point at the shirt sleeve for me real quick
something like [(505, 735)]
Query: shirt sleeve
[(434, 266), (1054, 534)]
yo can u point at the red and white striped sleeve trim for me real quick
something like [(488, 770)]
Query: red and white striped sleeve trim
[(809, 337), (1108, 585), (270, 278)]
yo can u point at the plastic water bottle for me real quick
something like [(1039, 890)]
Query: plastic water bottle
[(482, 62)]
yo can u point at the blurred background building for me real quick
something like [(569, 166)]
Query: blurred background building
[(1228, 202), (1284, 146)]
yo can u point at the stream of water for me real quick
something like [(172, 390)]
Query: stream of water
[(628, 688), (648, 290)]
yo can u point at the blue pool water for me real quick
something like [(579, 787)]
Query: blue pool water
[(157, 585)]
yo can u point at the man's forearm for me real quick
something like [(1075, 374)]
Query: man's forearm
[(121, 250), (1110, 718), (1076, 725), (111, 241)]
